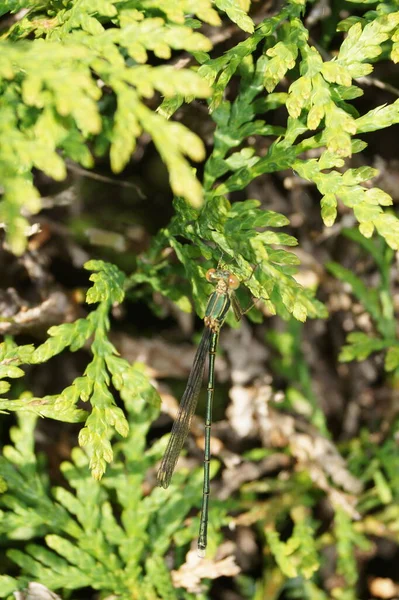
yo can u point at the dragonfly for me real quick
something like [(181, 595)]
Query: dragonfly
[(215, 314)]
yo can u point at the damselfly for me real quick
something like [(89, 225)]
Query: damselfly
[(215, 314)]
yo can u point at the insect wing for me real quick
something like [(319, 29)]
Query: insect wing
[(187, 407)]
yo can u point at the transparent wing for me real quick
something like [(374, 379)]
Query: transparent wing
[(187, 407)]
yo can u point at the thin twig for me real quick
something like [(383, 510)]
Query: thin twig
[(367, 80), (111, 180)]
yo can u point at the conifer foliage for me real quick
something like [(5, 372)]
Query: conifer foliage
[(83, 81)]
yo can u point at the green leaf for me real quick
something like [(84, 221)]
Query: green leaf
[(329, 209), (281, 554), (234, 10), (359, 347), (125, 131), (347, 539), (62, 336), (392, 358), (8, 584), (108, 282), (382, 487), (387, 226), (284, 54)]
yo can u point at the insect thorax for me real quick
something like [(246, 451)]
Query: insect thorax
[(216, 310)]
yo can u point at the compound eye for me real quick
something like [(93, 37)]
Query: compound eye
[(210, 275), (234, 282)]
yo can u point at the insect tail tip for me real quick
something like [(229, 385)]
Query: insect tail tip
[(162, 481)]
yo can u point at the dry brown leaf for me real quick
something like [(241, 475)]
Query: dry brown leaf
[(315, 453), (190, 574), (233, 478), (36, 591), (57, 308), (383, 587)]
